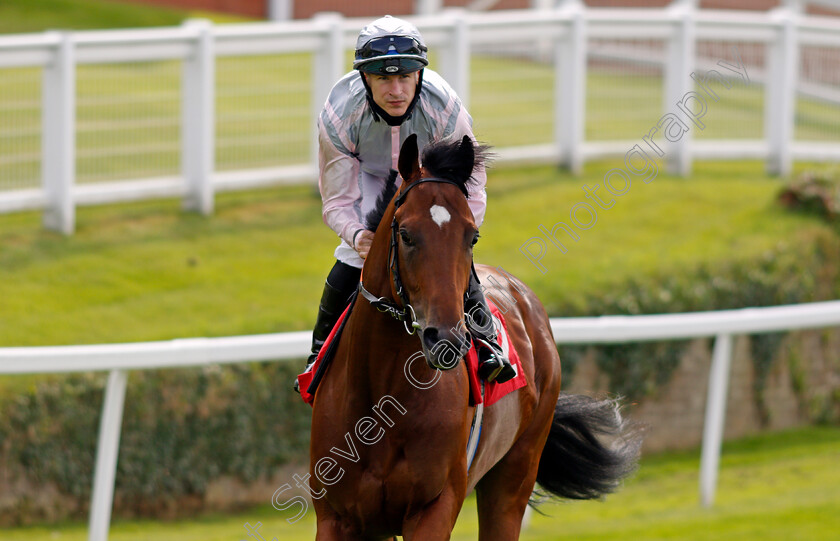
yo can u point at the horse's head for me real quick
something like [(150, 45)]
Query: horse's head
[(433, 234)]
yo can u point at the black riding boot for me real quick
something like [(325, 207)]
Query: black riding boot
[(338, 288), (492, 363)]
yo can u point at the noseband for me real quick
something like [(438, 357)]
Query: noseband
[(404, 313)]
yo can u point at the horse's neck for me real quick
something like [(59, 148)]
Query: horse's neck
[(375, 339), (379, 345)]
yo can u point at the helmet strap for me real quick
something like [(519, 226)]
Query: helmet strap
[(379, 112)]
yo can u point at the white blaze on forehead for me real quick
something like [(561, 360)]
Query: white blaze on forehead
[(440, 215)]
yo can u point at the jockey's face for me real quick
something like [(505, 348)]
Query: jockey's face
[(393, 92)]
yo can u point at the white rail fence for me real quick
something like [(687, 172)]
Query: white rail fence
[(120, 359), (198, 109)]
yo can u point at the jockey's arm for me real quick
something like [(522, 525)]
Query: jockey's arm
[(337, 182)]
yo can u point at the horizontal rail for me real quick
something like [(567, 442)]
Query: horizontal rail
[(180, 353), (617, 329), (306, 35), (283, 346)]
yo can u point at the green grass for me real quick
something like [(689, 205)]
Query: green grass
[(151, 272), (725, 211), (18, 16), (148, 271), (780, 486)]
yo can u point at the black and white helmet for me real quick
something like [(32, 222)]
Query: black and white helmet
[(390, 46)]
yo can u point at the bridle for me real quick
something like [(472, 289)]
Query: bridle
[(404, 313)]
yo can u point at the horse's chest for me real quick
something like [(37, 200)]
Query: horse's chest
[(384, 465), (384, 489)]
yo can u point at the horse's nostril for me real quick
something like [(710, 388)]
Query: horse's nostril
[(431, 336)]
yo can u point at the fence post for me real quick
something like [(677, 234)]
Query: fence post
[(427, 7), (281, 10), (570, 88), (107, 451), (678, 82), (454, 60), (327, 69), (58, 142), (198, 99), (780, 91), (715, 418)]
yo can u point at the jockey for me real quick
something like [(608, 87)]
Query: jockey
[(369, 113)]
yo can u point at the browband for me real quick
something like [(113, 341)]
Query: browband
[(399, 200)]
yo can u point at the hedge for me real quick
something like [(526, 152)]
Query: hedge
[(182, 428), (794, 272)]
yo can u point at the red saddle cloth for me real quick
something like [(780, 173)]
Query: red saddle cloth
[(495, 391), (492, 391), (305, 379)]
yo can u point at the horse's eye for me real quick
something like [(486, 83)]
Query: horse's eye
[(406, 238), (475, 239)]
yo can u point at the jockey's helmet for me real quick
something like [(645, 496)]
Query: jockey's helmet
[(390, 46)]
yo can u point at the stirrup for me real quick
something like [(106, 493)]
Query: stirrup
[(309, 362), (489, 369), (494, 368)]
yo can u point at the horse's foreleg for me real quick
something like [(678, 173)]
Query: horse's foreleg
[(334, 531), (435, 521), (330, 527)]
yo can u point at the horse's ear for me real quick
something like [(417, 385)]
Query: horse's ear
[(409, 162), (467, 152)]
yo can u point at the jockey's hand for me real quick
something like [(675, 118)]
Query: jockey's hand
[(362, 243)]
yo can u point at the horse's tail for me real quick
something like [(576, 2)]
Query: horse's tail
[(590, 448)]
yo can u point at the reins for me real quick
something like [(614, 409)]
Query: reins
[(404, 313)]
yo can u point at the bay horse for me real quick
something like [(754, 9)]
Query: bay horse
[(389, 435)]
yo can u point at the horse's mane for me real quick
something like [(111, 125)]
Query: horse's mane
[(373, 217), (442, 159)]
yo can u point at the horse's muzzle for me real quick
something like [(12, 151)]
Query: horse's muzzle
[(444, 349)]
